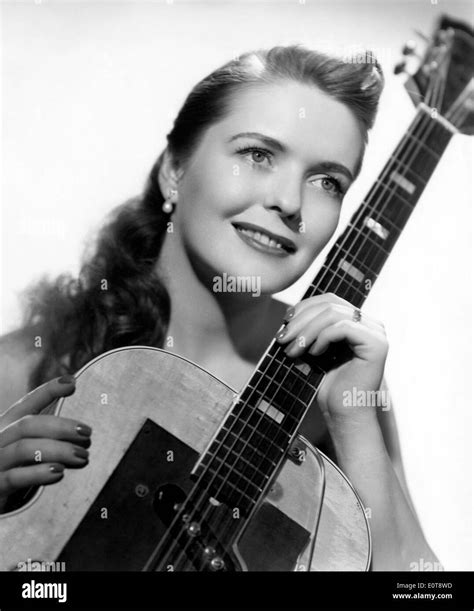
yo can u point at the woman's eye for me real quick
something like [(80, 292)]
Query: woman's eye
[(257, 155), (330, 184)]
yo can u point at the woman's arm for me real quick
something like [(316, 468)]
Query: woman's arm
[(369, 454), (395, 522), (369, 459)]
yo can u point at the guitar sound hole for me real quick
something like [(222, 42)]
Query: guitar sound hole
[(166, 502)]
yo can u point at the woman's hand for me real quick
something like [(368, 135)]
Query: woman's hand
[(316, 322), (35, 448)]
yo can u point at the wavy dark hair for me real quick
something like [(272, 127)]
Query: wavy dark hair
[(118, 299)]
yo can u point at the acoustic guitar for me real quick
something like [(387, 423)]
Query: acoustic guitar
[(186, 474)]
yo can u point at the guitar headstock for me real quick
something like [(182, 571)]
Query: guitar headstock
[(444, 77)]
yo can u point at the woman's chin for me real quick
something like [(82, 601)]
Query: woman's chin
[(251, 284)]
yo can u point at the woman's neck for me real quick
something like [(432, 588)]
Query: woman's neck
[(206, 326)]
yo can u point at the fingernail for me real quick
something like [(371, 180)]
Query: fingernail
[(289, 313), (84, 430), (67, 379), (56, 469), (282, 334), (84, 442), (81, 453)]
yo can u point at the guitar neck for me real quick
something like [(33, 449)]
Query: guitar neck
[(356, 259), (252, 442)]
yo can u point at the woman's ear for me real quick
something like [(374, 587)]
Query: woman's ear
[(168, 175)]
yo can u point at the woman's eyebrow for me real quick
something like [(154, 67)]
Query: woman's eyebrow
[(266, 139), (328, 166)]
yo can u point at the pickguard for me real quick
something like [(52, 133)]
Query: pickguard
[(124, 524)]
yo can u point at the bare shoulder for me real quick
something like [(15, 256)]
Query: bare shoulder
[(18, 358)]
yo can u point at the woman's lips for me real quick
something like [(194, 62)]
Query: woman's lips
[(253, 239)]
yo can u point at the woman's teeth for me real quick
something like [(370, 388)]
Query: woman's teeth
[(261, 237)]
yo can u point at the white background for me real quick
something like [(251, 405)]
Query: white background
[(89, 90)]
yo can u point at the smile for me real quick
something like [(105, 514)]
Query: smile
[(264, 241)]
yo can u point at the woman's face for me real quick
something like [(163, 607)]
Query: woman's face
[(278, 165)]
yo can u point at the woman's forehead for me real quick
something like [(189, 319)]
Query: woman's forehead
[(307, 121)]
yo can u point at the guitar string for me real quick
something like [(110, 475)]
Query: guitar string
[(197, 488), (218, 471), (386, 187), (262, 416), (361, 210), (218, 521)]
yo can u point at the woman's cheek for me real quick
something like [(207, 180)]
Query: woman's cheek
[(320, 225)]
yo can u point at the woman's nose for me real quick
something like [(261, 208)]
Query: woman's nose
[(285, 196)]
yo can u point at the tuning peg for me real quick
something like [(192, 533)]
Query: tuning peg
[(400, 67), (409, 48)]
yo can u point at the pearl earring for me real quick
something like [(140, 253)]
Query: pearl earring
[(168, 205)]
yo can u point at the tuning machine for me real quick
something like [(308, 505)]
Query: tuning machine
[(409, 50)]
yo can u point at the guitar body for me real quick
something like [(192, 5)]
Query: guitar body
[(152, 414)]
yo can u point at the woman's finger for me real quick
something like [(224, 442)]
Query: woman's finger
[(31, 451), (24, 477), (320, 300), (39, 398), (46, 426), (303, 330), (367, 344), (319, 303)]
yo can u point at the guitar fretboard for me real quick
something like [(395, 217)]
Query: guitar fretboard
[(252, 442)]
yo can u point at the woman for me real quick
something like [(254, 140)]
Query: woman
[(251, 184)]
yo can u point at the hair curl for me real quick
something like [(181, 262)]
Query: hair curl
[(118, 298)]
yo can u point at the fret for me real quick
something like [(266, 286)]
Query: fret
[(283, 397), (225, 488), (288, 366), (356, 233), (315, 288), (391, 228), (391, 220), (249, 474), (362, 266), (310, 381), (393, 188), (364, 254), (224, 473), (272, 453), (289, 380), (387, 216), (278, 397), (258, 439), (436, 135), (233, 448), (252, 416), (247, 452), (339, 284), (423, 146), (409, 171), (396, 212)]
